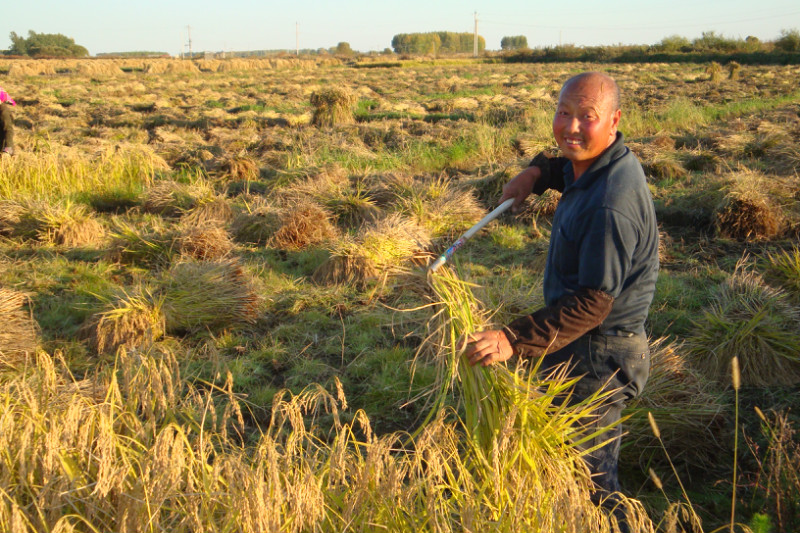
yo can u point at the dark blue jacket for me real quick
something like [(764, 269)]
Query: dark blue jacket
[(604, 236)]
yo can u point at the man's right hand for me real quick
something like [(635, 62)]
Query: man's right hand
[(520, 187)]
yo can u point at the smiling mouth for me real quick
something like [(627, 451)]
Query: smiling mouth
[(573, 142)]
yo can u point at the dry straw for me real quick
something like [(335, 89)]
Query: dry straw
[(207, 294), (753, 321), (132, 319), (332, 106), (747, 212), (204, 241), (303, 225), (377, 250), (18, 331), (172, 198), (689, 410)]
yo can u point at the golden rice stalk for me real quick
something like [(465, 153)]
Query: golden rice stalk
[(303, 225), (206, 294), (131, 320), (754, 322), (747, 213), (714, 71), (17, 326), (204, 241), (688, 410), (171, 198), (378, 249), (332, 106)]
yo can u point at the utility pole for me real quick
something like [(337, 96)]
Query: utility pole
[(296, 38), (189, 33), (475, 38)]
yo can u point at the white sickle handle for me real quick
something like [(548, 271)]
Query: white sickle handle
[(469, 233)]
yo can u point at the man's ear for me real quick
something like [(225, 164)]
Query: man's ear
[(615, 120)]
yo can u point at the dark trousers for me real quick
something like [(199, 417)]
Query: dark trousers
[(604, 363), (6, 126)]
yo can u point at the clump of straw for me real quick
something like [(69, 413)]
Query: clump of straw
[(239, 167), (64, 223), (17, 326), (753, 321), (785, 265), (206, 294), (11, 213), (332, 106), (256, 226), (303, 225), (378, 249), (171, 198), (747, 213), (145, 246), (441, 207), (204, 241), (689, 411), (130, 320), (210, 210)]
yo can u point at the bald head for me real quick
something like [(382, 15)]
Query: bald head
[(600, 85)]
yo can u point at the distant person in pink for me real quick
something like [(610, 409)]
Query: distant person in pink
[(6, 123)]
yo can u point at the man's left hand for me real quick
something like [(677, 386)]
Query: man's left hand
[(487, 347)]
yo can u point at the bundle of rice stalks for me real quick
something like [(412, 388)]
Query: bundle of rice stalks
[(332, 106), (754, 322), (442, 208), (378, 249), (733, 70), (204, 294), (18, 330), (239, 167), (687, 408), (703, 161), (11, 213), (257, 226), (543, 205), (519, 440), (130, 320), (171, 198), (209, 210), (747, 213), (714, 71), (66, 223), (303, 225), (204, 241), (150, 247), (530, 147), (499, 115), (664, 168)]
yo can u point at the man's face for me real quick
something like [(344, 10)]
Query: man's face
[(585, 123)]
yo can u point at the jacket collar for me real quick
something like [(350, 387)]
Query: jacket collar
[(616, 150)]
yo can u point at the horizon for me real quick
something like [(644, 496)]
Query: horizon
[(242, 26)]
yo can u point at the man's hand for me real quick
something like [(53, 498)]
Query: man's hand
[(487, 347), (520, 187)]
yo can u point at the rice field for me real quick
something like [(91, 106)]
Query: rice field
[(216, 314)]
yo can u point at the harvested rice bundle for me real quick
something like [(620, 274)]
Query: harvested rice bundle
[(10, 215), (239, 168), (754, 322), (18, 331), (385, 189), (171, 198), (747, 213), (206, 294), (303, 225), (377, 249), (349, 201), (210, 210), (130, 320), (688, 409), (258, 226), (442, 208), (332, 106), (148, 246), (204, 241), (67, 224)]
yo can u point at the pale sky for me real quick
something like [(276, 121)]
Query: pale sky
[(116, 25)]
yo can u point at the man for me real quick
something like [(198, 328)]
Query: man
[(601, 266), (6, 123)]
